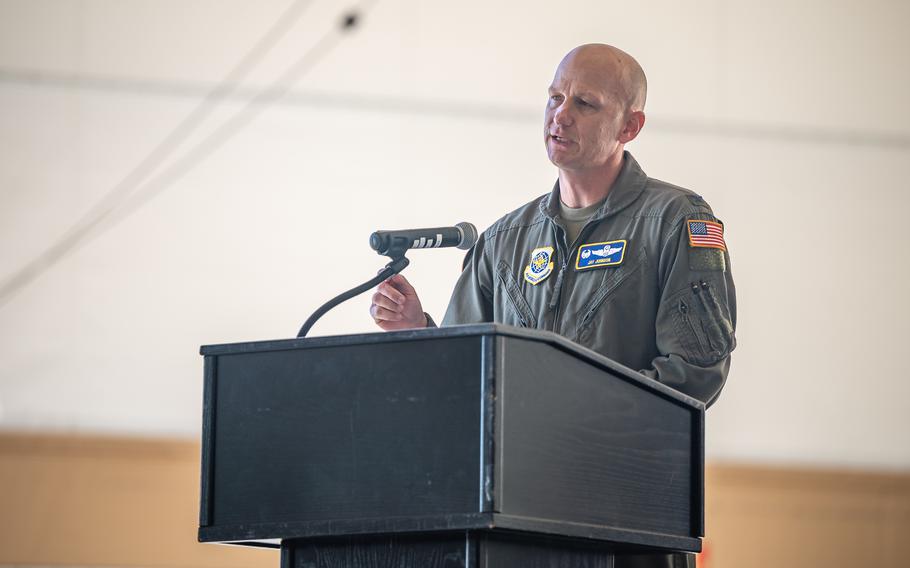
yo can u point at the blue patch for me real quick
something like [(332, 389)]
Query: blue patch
[(595, 255)]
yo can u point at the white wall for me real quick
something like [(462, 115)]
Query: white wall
[(790, 118)]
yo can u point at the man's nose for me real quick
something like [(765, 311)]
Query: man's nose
[(562, 116)]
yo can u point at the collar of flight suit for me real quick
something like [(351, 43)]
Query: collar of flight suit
[(629, 185)]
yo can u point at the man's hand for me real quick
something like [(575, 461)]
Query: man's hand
[(396, 305)]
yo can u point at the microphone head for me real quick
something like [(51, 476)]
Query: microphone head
[(468, 235), (376, 242)]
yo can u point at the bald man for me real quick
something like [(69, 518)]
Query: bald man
[(632, 267)]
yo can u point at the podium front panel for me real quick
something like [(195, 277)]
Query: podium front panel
[(348, 432), (583, 445)]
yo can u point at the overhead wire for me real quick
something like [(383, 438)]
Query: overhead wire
[(137, 188), (887, 139)]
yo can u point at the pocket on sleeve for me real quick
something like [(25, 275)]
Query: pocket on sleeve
[(702, 326)]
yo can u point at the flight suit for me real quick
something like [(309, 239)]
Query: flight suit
[(647, 283), (642, 284)]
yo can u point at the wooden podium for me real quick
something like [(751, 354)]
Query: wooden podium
[(463, 446)]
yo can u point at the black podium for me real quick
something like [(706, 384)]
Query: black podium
[(464, 446)]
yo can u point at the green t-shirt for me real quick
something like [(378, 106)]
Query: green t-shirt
[(573, 219)]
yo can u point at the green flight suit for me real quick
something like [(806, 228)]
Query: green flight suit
[(663, 305), (660, 301)]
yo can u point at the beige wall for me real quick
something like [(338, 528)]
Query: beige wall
[(81, 501), (789, 117), (78, 501), (783, 517)]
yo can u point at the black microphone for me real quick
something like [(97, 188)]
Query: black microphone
[(462, 235)]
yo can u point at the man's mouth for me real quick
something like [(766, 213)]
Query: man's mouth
[(559, 139)]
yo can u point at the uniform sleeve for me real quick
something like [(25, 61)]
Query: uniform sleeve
[(696, 317), (472, 299)]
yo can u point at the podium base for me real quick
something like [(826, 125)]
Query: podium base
[(470, 549)]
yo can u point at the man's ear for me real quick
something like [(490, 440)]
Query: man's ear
[(634, 123)]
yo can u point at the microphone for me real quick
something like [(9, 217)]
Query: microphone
[(462, 235)]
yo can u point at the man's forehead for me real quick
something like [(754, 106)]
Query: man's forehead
[(583, 80)]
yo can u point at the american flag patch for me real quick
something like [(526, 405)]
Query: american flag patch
[(706, 234)]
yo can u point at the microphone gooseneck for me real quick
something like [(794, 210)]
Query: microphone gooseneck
[(391, 269), (395, 244)]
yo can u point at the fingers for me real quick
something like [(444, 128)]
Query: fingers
[(381, 314), (401, 285), (383, 300), (388, 304), (388, 291), (395, 305)]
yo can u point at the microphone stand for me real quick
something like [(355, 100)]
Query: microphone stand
[(397, 264)]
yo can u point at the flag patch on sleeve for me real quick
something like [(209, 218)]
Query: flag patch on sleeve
[(706, 234)]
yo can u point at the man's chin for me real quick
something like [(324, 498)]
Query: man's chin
[(558, 158), (561, 161)]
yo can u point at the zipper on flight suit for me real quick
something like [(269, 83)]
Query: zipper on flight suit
[(560, 278), (556, 299)]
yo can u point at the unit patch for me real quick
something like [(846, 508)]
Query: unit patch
[(706, 234), (541, 265), (595, 255)]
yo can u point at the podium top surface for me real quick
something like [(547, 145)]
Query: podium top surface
[(468, 330)]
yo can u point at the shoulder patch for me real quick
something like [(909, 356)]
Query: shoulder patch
[(707, 234), (541, 265)]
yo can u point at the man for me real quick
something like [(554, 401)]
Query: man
[(629, 266)]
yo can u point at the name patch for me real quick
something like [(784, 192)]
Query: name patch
[(595, 255), (541, 265)]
